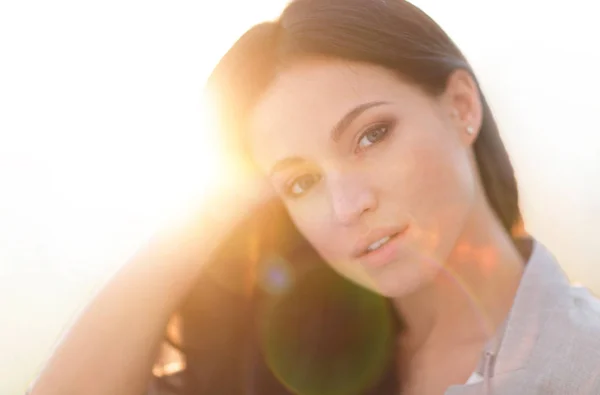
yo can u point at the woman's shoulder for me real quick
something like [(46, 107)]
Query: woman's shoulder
[(546, 293), (580, 321), (567, 350), (571, 359), (578, 331), (553, 333), (584, 310), (575, 313)]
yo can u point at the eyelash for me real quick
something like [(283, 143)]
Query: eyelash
[(294, 181), (385, 127)]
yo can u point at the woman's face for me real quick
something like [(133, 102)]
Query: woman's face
[(375, 173)]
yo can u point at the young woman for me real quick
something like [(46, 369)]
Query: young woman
[(391, 259)]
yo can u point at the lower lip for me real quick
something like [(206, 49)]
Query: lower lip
[(385, 254)]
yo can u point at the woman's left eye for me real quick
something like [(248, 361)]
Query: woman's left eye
[(372, 136)]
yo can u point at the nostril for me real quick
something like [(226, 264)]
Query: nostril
[(350, 207)]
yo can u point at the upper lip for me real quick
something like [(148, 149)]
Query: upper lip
[(375, 235)]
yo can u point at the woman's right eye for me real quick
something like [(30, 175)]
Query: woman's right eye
[(300, 185)]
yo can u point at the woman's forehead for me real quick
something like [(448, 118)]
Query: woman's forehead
[(306, 100), (311, 83)]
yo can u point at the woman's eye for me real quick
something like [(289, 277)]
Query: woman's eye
[(372, 136), (302, 184)]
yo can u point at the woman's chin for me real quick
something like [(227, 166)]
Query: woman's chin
[(404, 279)]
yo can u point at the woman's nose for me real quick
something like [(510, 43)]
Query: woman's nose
[(351, 199)]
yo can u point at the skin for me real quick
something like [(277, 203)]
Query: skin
[(406, 162)]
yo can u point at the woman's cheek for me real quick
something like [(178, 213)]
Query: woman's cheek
[(321, 239)]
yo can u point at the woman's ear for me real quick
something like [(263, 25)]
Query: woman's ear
[(463, 101)]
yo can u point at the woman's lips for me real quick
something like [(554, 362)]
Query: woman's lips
[(386, 253)]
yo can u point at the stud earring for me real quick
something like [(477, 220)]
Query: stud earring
[(470, 130)]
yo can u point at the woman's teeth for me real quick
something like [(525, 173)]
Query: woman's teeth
[(378, 243)]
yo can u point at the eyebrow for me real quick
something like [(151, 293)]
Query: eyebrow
[(336, 133), (283, 164), (342, 125)]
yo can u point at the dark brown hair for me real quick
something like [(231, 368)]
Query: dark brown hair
[(322, 343)]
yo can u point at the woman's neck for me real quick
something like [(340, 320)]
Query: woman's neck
[(471, 296)]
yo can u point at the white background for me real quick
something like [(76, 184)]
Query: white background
[(102, 136)]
